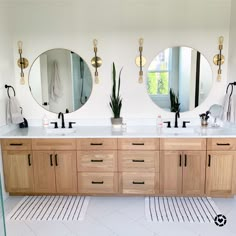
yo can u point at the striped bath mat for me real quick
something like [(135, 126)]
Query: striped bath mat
[(50, 208), (180, 209)]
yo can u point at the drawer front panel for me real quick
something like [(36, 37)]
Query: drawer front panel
[(183, 144), (16, 144), (54, 144), (131, 161), (221, 144), (138, 183), (97, 161), (92, 182), (96, 143), (138, 144)]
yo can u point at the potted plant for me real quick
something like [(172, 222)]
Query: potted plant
[(116, 100)]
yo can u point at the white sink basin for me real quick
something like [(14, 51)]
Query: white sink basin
[(178, 131), (60, 131)]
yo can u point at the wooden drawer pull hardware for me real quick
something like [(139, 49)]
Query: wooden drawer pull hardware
[(185, 160), (137, 160), (56, 162), (209, 160), (223, 144), (16, 144), (140, 144), (51, 164), (97, 182), (96, 160), (136, 182), (29, 161)]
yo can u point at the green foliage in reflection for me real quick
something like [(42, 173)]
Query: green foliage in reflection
[(158, 83)]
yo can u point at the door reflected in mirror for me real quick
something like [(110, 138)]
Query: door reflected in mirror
[(183, 70), (60, 81)]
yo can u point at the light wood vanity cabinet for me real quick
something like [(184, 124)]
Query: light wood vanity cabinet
[(54, 169), (220, 170), (97, 166), (18, 165), (138, 165), (182, 166)]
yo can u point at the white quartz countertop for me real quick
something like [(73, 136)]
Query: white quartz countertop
[(109, 132)]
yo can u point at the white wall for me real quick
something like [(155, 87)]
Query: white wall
[(118, 25)]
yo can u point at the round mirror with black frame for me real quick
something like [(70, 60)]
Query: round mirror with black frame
[(179, 75), (60, 81)]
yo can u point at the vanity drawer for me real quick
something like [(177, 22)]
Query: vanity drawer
[(138, 144), (183, 144), (138, 183), (16, 144), (132, 161), (221, 144), (53, 144), (97, 161), (96, 143), (92, 182)]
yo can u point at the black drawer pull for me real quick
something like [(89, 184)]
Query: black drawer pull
[(140, 144), (56, 162), (137, 160), (180, 160), (185, 160), (137, 182), (16, 144), (223, 144), (96, 144), (209, 160), (29, 161), (51, 164), (96, 160), (97, 182)]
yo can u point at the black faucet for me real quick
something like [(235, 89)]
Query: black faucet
[(61, 115), (176, 118)]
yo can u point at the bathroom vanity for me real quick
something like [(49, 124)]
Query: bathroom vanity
[(119, 164)]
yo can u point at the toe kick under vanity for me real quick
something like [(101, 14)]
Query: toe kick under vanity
[(183, 166)]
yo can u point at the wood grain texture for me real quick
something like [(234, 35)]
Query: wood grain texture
[(221, 144), (138, 144), (53, 144), (16, 144)]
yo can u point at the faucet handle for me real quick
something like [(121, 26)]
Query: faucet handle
[(55, 124), (70, 124), (184, 123), (168, 124)]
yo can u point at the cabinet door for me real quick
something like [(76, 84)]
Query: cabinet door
[(219, 173), (44, 173), (171, 172), (65, 169), (18, 171), (193, 163)]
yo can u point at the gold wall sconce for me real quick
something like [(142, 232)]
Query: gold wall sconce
[(140, 60), (96, 61), (22, 62), (219, 59)]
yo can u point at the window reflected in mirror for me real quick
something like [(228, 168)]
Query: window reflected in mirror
[(183, 70), (60, 81)]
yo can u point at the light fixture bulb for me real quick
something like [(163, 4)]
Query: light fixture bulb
[(140, 79), (141, 42), (219, 77), (95, 43), (19, 44), (221, 40), (22, 80), (96, 79)]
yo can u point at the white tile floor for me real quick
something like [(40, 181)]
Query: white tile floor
[(121, 216)]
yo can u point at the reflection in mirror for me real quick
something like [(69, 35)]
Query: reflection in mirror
[(60, 81), (183, 70)]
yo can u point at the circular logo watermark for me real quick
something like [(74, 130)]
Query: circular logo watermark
[(220, 220)]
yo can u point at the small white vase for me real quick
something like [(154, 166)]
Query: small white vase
[(116, 122)]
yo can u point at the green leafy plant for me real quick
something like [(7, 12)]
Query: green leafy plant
[(116, 100), (174, 102)]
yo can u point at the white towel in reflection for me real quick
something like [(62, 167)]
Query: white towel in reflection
[(55, 89), (14, 115)]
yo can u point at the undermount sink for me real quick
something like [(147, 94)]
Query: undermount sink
[(178, 131), (60, 131)]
